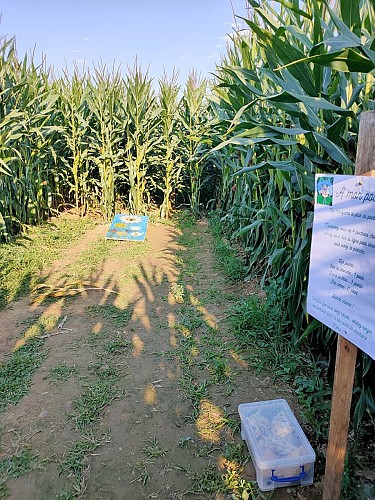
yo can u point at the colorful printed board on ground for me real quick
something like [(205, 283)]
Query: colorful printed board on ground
[(341, 291), (128, 227)]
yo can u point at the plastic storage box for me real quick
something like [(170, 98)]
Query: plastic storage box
[(281, 453)]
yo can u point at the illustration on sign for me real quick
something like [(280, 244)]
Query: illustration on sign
[(341, 290), (324, 190), (128, 227)]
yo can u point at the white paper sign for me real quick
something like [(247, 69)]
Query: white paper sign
[(341, 290)]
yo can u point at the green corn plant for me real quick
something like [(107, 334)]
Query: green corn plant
[(295, 119), (76, 116), (106, 97), (288, 97), (141, 137), (28, 136), (170, 160), (194, 117)]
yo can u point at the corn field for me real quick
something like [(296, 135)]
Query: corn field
[(284, 104), (95, 141), (291, 89)]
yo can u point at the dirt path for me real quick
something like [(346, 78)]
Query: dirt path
[(137, 394)]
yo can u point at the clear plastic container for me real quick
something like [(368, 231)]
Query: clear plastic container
[(281, 453)]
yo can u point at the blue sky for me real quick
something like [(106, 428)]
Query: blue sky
[(162, 34)]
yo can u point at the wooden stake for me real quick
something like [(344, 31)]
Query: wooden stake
[(339, 424), (346, 351)]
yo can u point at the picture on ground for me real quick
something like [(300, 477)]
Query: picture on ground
[(128, 227)]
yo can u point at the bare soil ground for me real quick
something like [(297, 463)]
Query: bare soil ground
[(162, 425)]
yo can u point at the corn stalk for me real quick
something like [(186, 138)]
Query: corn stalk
[(170, 160), (106, 98), (194, 117), (142, 122), (75, 118), (28, 134)]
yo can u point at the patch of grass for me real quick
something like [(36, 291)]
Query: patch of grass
[(241, 488), (89, 406), (153, 449), (140, 471), (189, 239), (120, 317), (190, 265), (67, 495), (207, 450), (4, 492), (187, 349), (236, 452), (17, 370), (314, 394), (89, 261), (188, 325), (214, 295), (185, 220), (195, 391), (119, 345), (185, 441), (17, 465), (14, 466), (259, 322), (226, 256), (220, 369), (190, 318), (24, 258), (207, 481), (234, 424), (60, 373), (104, 371), (75, 463)]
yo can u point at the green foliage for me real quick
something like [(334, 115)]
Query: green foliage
[(18, 464), (153, 449), (89, 406), (207, 481), (16, 372), (61, 372), (76, 461), (170, 148), (262, 322), (225, 254), (142, 120), (287, 102), (14, 466), (194, 117), (118, 345)]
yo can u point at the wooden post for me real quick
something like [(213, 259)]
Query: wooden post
[(346, 351)]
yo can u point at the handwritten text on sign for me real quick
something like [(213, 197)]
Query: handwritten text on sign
[(341, 291)]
